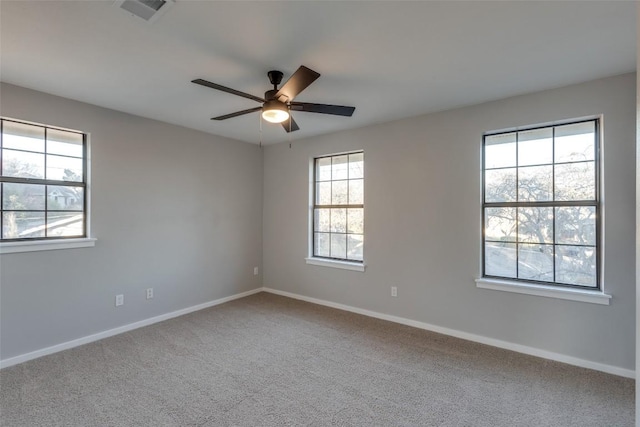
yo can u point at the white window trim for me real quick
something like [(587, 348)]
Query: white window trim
[(334, 263), (325, 262), (596, 296), (45, 245), (57, 244), (573, 294)]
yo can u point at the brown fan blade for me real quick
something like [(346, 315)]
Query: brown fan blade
[(226, 89), (298, 82), (237, 113), (336, 110), (290, 125)]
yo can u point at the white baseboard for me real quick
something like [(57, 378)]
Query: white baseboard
[(401, 320), (119, 330), (532, 351)]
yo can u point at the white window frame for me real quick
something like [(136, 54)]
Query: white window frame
[(57, 243), (343, 264), (552, 289)]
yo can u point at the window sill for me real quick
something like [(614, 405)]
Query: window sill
[(593, 297), (45, 245), (345, 265)]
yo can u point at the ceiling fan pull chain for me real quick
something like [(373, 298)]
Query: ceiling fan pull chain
[(290, 122), (260, 120)]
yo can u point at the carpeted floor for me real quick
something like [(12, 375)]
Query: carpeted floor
[(267, 360)]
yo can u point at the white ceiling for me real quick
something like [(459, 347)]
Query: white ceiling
[(388, 59)]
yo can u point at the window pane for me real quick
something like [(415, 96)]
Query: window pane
[(355, 243), (22, 165), (500, 259), (339, 192), (356, 165), (323, 169), (339, 182), (65, 224), (356, 192), (576, 265), (322, 242), (535, 262), (338, 220), (535, 183), (575, 143), (23, 197), (64, 168), (500, 151), (576, 225), (500, 185), (35, 154), (535, 147), (500, 224), (20, 225), (62, 197), (64, 143), (556, 165), (535, 225), (323, 193), (22, 136), (355, 221), (575, 181), (322, 220), (340, 167), (338, 245)]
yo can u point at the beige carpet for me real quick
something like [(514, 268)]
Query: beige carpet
[(266, 360)]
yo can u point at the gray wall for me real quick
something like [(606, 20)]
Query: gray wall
[(422, 224), (172, 208)]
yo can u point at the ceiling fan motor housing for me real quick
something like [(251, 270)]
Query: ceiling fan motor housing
[(270, 94)]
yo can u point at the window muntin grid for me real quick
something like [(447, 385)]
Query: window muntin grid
[(541, 205), (42, 182), (338, 210)]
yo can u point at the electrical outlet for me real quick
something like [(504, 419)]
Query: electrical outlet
[(394, 291), (255, 271), (149, 293), (119, 300)]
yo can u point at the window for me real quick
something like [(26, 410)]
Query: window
[(541, 205), (43, 184), (338, 208)]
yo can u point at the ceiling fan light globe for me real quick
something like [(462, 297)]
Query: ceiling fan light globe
[(275, 116), (275, 111)]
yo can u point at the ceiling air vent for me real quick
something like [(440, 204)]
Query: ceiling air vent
[(149, 10)]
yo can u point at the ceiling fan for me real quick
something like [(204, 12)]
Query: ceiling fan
[(277, 103)]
